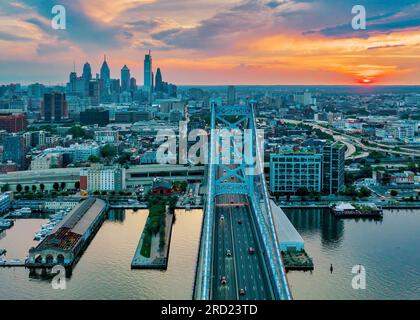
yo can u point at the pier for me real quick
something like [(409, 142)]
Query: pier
[(70, 237), (158, 257), (12, 263)]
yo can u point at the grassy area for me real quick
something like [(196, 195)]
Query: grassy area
[(146, 246), (156, 222)]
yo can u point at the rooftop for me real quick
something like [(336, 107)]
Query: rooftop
[(68, 233)]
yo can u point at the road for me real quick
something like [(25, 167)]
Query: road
[(352, 142), (235, 231)]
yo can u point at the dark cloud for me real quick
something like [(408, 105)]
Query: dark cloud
[(381, 17), (386, 47), (217, 31), (80, 28), (11, 37), (143, 25)]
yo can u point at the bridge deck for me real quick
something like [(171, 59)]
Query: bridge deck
[(236, 232)]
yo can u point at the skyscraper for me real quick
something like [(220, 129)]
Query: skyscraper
[(106, 75), (231, 95), (159, 81), (54, 107), (72, 81), (94, 92), (125, 79), (133, 84), (148, 69), (105, 72), (87, 76), (333, 167)]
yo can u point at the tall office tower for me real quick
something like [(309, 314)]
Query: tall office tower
[(106, 76), (133, 84), (73, 82), (231, 95), (333, 167), (159, 81), (94, 92), (115, 86), (14, 150), (148, 72), (54, 107), (87, 76), (125, 79)]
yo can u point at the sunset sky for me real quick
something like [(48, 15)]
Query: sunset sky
[(215, 41)]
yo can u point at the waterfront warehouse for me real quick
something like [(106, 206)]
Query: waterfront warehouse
[(69, 238)]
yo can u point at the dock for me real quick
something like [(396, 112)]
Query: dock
[(347, 210), (128, 205), (158, 258), (11, 263)]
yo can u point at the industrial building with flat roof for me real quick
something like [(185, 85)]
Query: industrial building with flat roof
[(287, 234), (69, 238)]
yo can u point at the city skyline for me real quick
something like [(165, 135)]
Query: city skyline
[(250, 42)]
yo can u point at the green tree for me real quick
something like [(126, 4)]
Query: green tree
[(394, 193), (42, 187), (77, 132), (364, 192), (34, 188), (302, 192), (77, 185), (108, 151), (62, 185), (19, 188), (124, 158), (56, 186), (94, 159), (27, 188)]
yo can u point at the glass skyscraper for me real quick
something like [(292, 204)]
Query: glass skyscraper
[(148, 72), (125, 79)]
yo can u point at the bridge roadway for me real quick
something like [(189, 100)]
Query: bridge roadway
[(236, 232)]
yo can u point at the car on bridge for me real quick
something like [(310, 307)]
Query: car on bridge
[(251, 250), (223, 280), (222, 218), (239, 221), (242, 292), (228, 253)]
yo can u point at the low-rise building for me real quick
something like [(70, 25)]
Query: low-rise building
[(47, 161), (106, 136)]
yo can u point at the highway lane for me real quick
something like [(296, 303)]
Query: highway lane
[(242, 270), (250, 267), (223, 265)]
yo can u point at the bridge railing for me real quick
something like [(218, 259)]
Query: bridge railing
[(260, 202)]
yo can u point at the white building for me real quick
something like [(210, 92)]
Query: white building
[(47, 161), (100, 178), (106, 136), (79, 152)]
